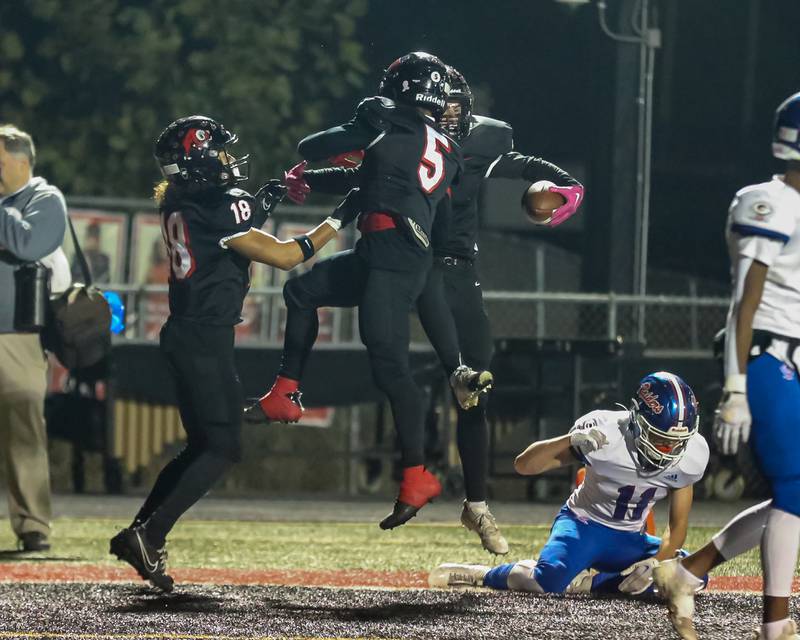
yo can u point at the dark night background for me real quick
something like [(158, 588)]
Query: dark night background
[(95, 84)]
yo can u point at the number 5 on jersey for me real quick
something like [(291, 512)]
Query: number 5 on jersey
[(431, 167)]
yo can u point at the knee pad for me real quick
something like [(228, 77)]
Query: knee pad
[(293, 293), (786, 494), (522, 577)]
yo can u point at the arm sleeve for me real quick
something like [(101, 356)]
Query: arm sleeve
[(593, 420), (515, 165), (336, 180), (39, 232), (369, 124), (761, 227)]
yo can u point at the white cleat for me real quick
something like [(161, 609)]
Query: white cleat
[(468, 385), (483, 523), (452, 575), (675, 586), (789, 632)]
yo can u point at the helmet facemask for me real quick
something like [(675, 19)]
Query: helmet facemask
[(658, 449)]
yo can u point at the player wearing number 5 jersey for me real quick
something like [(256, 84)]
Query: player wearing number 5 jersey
[(634, 458), (407, 169), (211, 229)]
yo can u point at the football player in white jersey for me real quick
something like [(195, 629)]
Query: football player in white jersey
[(761, 388), (634, 458)]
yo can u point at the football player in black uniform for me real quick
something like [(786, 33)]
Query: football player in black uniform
[(407, 168), (211, 229), (487, 145), (451, 304)]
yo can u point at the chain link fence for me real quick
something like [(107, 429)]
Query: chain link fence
[(675, 324)]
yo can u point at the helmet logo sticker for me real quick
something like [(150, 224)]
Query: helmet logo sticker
[(194, 138), (650, 398), (406, 86), (436, 76), (761, 210)]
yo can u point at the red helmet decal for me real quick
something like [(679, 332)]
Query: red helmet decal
[(197, 138), (650, 398)]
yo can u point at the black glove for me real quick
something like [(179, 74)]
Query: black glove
[(349, 208), (267, 198)]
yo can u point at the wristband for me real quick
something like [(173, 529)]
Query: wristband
[(336, 224), (736, 383), (306, 246)]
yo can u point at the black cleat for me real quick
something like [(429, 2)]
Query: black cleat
[(402, 513), (254, 414), (131, 546)]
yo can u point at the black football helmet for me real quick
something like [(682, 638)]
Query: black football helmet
[(188, 151), (460, 93), (418, 79)]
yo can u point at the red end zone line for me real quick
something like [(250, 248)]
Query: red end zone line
[(69, 572)]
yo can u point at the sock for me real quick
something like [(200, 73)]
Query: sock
[(779, 546), (773, 630), (743, 532), (689, 578), (478, 507), (497, 577)]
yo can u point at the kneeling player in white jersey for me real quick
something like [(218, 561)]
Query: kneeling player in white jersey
[(761, 387), (634, 458)]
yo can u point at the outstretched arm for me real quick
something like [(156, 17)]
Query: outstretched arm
[(262, 247), (544, 455)]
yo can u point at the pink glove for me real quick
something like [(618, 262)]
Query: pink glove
[(574, 196), (297, 187)]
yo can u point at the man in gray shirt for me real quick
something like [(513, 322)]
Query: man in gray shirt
[(32, 225)]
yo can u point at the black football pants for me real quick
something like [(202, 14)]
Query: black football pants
[(210, 400), (383, 276), (452, 304)]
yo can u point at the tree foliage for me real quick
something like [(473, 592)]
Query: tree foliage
[(96, 81)]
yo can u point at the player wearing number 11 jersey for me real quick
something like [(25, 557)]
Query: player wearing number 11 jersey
[(634, 458), (211, 229)]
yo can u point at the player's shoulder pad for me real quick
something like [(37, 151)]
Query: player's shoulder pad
[(490, 137), (694, 462), (235, 193), (612, 423), (765, 210), (377, 111)]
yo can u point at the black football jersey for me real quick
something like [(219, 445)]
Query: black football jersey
[(208, 282), (408, 164), (487, 153)]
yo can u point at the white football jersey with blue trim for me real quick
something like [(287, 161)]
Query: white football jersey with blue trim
[(764, 225), (616, 492)]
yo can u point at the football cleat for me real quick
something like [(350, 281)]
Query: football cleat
[(452, 575), (678, 589), (468, 385), (418, 487), (789, 632), (130, 545), (280, 404), (484, 524)]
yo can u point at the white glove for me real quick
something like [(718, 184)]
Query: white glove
[(732, 422), (639, 577), (587, 440)]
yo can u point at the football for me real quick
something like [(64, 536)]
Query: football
[(540, 203)]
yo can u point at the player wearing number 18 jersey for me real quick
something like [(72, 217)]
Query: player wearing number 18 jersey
[(634, 458), (404, 178), (211, 229)]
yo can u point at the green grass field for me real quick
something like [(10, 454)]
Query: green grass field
[(327, 546)]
